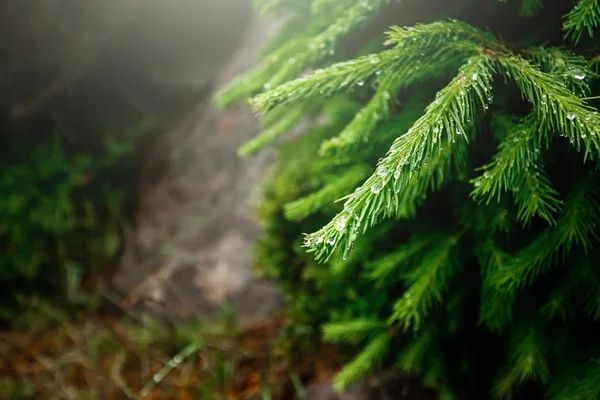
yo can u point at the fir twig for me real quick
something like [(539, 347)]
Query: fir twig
[(516, 167), (364, 362), (557, 108), (528, 360), (425, 284), (328, 194), (585, 16), (417, 154), (352, 331), (575, 226)]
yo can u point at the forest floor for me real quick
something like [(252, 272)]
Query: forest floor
[(51, 355)]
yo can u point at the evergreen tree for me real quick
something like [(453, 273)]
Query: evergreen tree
[(446, 173)]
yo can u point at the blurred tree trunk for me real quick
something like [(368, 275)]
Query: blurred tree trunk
[(189, 250)]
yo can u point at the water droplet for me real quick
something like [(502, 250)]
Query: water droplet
[(267, 86), (382, 171), (406, 295), (571, 116), (474, 76), (436, 130), (397, 174), (579, 75), (330, 240), (458, 130), (156, 378), (477, 183), (177, 359), (341, 221), (291, 60), (360, 83), (376, 188)]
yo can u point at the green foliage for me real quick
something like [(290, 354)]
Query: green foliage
[(60, 214), (449, 179), (585, 16)]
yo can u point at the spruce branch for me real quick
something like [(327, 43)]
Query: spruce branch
[(581, 382), (574, 70), (301, 52), (440, 32), (410, 68), (496, 305), (281, 126), (425, 282), (328, 194), (528, 360), (365, 121), (487, 221), (559, 303), (364, 362), (324, 82), (528, 263), (364, 245), (413, 356), (517, 167), (576, 225), (435, 40), (557, 108), (352, 331), (419, 154), (385, 269), (585, 16), (252, 81)]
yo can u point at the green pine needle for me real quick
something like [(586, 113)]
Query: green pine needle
[(579, 383), (385, 269), (351, 331), (414, 355), (425, 284), (364, 362), (585, 16), (418, 154), (328, 194), (575, 226), (517, 167)]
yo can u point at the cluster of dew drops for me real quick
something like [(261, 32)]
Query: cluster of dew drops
[(341, 221), (588, 123)]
